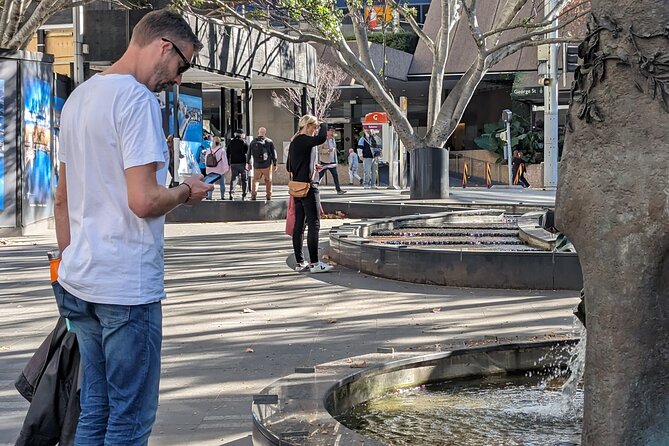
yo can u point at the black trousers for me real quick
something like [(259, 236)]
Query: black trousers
[(307, 212), (335, 176), (237, 170)]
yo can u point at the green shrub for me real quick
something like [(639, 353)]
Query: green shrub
[(402, 41)]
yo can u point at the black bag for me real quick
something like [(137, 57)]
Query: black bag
[(259, 151), (210, 160)]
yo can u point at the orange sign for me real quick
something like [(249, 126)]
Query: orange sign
[(375, 118), (377, 16)]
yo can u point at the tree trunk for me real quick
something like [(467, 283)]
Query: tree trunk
[(613, 204)]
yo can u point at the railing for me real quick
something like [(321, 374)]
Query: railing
[(476, 168)]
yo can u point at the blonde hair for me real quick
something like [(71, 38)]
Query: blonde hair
[(216, 141), (305, 121)]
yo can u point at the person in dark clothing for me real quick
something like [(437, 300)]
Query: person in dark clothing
[(302, 157), (366, 145), (263, 153), (518, 167), (237, 156)]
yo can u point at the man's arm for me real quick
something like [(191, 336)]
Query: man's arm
[(61, 214), (147, 198), (272, 153)]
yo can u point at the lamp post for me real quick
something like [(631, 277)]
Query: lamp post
[(551, 107), (506, 117)]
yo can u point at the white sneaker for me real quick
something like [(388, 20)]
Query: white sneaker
[(302, 266), (320, 267)]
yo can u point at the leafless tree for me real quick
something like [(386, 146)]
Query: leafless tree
[(325, 92)]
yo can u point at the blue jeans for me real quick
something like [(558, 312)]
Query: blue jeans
[(120, 357), (221, 185), (368, 171)]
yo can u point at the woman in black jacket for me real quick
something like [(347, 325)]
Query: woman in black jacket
[(302, 156)]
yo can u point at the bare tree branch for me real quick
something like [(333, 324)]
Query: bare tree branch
[(360, 31), (325, 93), (507, 16), (528, 38), (414, 25), (542, 24)]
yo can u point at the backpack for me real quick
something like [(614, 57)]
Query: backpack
[(259, 151), (211, 160)]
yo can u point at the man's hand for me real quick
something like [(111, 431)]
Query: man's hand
[(198, 189), (275, 168)]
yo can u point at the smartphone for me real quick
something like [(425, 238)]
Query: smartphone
[(211, 178)]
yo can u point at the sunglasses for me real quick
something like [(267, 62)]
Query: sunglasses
[(187, 65)]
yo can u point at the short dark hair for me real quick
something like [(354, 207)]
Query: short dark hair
[(164, 24)]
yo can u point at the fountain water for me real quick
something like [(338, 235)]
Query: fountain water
[(540, 407)]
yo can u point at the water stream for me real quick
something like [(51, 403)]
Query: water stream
[(540, 408)]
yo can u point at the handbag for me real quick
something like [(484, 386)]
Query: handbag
[(290, 216), (298, 189)]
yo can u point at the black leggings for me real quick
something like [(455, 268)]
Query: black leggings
[(307, 211)]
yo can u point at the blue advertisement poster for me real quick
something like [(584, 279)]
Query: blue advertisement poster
[(190, 132), (37, 162), (2, 144)]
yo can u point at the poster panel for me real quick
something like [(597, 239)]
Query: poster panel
[(190, 130), (38, 162)]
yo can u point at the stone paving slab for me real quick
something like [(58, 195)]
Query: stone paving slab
[(214, 272)]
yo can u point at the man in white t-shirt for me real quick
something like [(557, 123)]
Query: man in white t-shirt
[(110, 208)]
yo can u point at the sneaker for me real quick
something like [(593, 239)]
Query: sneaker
[(302, 266), (320, 267), (341, 192), (253, 197)]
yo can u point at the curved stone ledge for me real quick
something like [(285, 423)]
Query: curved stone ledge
[(350, 247), (299, 408)]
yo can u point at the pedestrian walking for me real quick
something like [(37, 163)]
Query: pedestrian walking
[(263, 155), (327, 156), (353, 164), (111, 277), (518, 169), (302, 157), (216, 160), (237, 159)]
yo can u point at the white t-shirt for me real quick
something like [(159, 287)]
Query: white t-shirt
[(111, 123)]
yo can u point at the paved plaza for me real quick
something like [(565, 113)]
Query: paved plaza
[(237, 317)]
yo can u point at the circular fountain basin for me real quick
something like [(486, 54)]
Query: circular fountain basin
[(300, 409), (477, 248)]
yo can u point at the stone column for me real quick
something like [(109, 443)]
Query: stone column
[(613, 204)]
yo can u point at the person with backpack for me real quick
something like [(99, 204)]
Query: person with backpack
[(263, 154), (216, 161), (327, 157), (237, 159)]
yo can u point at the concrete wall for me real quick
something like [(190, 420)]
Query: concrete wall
[(277, 121)]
